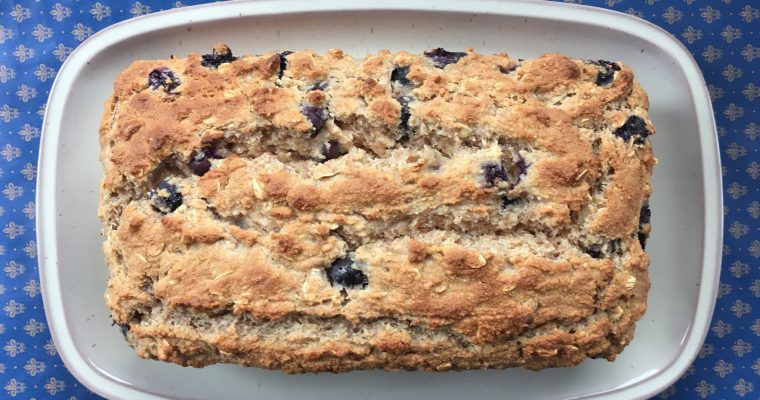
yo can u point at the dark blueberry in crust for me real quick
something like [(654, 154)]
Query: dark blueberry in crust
[(644, 219), (493, 173), (318, 86), (219, 56), (634, 127), (342, 272), (331, 150), (315, 115), (614, 247), (643, 239), (124, 328), (200, 163), (645, 215), (283, 62), (212, 150), (522, 165), (405, 114), (607, 74), (594, 253), (506, 70), (399, 75), (442, 58), (598, 251), (507, 201), (163, 77), (165, 197)]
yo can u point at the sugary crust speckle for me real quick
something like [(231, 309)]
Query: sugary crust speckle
[(538, 265)]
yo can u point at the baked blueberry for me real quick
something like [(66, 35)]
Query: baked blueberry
[(343, 273), (611, 248), (645, 215), (507, 201), (634, 127), (331, 150), (614, 247), (594, 253), (124, 328), (213, 150), (493, 173), (316, 115), (220, 55), (165, 197), (643, 239), (200, 163), (163, 77), (522, 166), (405, 114), (507, 70), (442, 58), (317, 86), (607, 74), (399, 75), (283, 62)]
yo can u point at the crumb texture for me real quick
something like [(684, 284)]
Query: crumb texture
[(316, 212)]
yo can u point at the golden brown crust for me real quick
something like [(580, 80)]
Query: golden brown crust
[(500, 227)]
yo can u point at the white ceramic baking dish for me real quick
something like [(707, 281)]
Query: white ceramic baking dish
[(687, 205)]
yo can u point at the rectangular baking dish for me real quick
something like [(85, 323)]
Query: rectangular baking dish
[(687, 205)]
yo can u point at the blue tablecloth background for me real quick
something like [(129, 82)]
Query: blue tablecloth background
[(37, 36)]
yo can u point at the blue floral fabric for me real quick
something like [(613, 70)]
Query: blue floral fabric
[(37, 36)]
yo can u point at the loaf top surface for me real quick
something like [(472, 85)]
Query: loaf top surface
[(484, 195)]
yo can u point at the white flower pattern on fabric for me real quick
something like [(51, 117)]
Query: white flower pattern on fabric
[(5, 34), (704, 389), (740, 347), (754, 248), (14, 387), (42, 33), (11, 191), (7, 114), (29, 210), (721, 329), (43, 72), (31, 251), (29, 132), (26, 93), (13, 348), (99, 11), (139, 9), (6, 73), (32, 288), (712, 53), (20, 13), (751, 92), (81, 32), (60, 12), (61, 52), (34, 327), (743, 388), (23, 53), (54, 386), (34, 367)]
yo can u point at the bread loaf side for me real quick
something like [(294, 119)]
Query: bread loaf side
[(316, 212)]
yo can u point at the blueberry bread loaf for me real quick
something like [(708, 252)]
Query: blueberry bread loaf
[(432, 211)]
